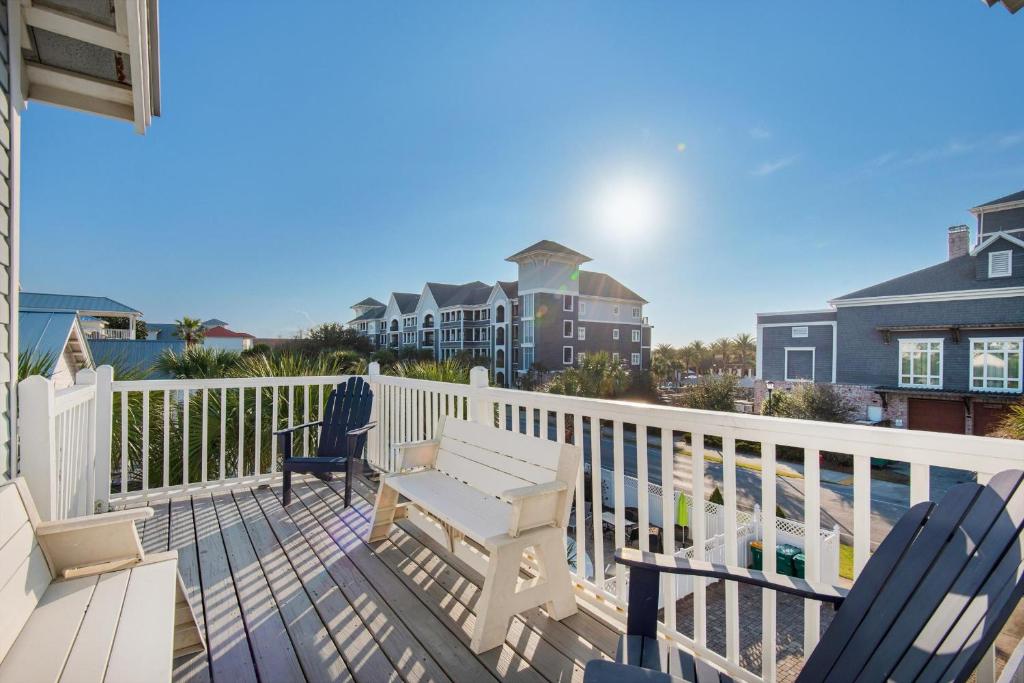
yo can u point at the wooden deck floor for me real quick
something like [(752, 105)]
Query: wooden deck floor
[(293, 594)]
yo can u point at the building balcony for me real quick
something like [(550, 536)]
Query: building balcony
[(293, 593), (109, 333)]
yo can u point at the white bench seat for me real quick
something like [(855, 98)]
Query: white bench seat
[(506, 492), (82, 601), (478, 515)]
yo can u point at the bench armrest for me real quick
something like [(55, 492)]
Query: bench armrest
[(417, 454), (824, 592), (537, 505), (290, 430), (103, 542)]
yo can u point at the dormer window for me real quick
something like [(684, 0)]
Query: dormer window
[(1000, 264)]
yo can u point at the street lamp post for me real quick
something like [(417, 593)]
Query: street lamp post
[(770, 386)]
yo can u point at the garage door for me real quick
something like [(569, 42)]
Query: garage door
[(987, 417), (931, 415)]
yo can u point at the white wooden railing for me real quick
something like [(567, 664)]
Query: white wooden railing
[(57, 451), (165, 437), (112, 333)]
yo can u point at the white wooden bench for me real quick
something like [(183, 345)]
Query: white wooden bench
[(81, 601), (506, 492)]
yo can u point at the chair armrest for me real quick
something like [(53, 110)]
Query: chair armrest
[(290, 430), (359, 431), (104, 542), (784, 584), (537, 505), (417, 454)]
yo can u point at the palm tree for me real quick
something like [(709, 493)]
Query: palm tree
[(191, 330), (745, 347), (698, 355), (722, 348)]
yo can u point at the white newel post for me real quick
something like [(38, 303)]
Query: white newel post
[(103, 426), (481, 412), (38, 456), (87, 377), (375, 454)]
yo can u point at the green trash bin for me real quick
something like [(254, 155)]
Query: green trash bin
[(784, 559), (798, 565), (755, 552)]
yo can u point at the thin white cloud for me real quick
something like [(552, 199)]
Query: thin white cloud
[(1011, 139), (769, 167), (882, 160), (953, 148), (760, 133)]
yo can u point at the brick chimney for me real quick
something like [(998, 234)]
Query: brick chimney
[(959, 241)]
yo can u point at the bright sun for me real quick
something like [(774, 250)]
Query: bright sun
[(628, 206)]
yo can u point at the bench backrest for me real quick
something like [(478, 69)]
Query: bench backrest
[(935, 594), (24, 573), (495, 460)]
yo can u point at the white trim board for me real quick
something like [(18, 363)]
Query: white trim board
[(785, 362), (808, 312), (759, 356), (929, 297), (981, 246)]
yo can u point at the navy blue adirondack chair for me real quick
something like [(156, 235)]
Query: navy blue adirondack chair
[(927, 606), (343, 428)]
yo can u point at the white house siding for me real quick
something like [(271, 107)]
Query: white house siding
[(8, 247), (228, 343)]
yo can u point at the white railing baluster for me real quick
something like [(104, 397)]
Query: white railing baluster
[(204, 433), (768, 544), (167, 438), (732, 604), (221, 473), (186, 401), (257, 436), (596, 495), (145, 440), (861, 511), (580, 535), (273, 428), (666, 462), (920, 483), (812, 544), (697, 523), (240, 471), (642, 495), (124, 441), (305, 419), (618, 466)]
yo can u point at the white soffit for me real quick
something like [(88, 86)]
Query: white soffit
[(97, 56)]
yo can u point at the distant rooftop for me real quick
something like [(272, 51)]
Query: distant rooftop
[(406, 301), (1015, 197), (136, 354), (221, 332), (374, 313), (604, 285), (549, 247), (468, 294), (95, 305), (45, 334), (369, 301)]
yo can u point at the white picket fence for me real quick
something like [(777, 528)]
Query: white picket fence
[(158, 438)]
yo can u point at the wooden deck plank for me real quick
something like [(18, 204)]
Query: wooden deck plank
[(156, 533), (359, 569), (230, 658), (503, 661), (320, 657), (551, 647), (193, 668), (272, 650), (354, 640)]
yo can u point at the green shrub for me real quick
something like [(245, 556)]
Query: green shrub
[(1012, 426), (821, 402), (713, 392), (716, 497)]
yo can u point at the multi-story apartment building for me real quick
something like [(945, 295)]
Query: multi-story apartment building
[(549, 318), (938, 349)]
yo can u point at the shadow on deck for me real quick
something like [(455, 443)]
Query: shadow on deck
[(293, 594)]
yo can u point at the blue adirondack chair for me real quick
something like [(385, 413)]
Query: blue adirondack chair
[(343, 429), (926, 607)]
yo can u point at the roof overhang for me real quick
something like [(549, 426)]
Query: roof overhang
[(96, 56), (992, 238), (1011, 5), (986, 208)]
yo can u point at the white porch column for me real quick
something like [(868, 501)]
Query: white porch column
[(38, 441), (104, 426)]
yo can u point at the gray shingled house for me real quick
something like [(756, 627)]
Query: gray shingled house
[(938, 349)]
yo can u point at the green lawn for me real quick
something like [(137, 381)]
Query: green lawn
[(846, 561)]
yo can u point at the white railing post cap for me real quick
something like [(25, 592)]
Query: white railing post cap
[(373, 369), (478, 377)]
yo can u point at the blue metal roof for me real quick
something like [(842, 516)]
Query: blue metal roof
[(136, 354), (72, 302), (43, 333)]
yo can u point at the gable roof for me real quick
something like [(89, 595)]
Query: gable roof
[(375, 313), (604, 285), (995, 237), (72, 302), (1008, 199), (549, 247), (45, 334), (511, 289), (468, 294), (954, 275), (368, 301), (214, 322), (406, 301), (221, 332)]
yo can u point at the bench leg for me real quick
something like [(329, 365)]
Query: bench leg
[(287, 488), (497, 604), (383, 512), (554, 571)]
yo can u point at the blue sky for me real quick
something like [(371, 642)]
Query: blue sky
[(307, 159)]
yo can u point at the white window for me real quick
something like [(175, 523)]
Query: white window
[(996, 364), (527, 306), (921, 363), (615, 357), (615, 333), (581, 358), (528, 332), (583, 307), (615, 310), (636, 336), (567, 329), (634, 358), (1000, 264), (567, 302), (799, 364), (800, 332), (636, 312), (527, 358), (581, 334), (567, 355)]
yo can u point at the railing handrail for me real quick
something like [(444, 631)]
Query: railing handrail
[(65, 399), (222, 383)]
